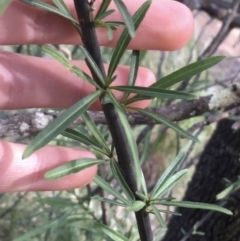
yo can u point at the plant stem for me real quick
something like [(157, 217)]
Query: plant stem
[(90, 42)]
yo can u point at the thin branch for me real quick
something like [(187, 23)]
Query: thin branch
[(28, 124), (116, 127)]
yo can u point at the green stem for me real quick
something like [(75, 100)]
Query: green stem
[(90, 42)]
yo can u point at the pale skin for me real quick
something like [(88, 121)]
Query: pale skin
[(31, 82)]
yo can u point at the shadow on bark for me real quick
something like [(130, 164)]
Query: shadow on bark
[(219, 162)]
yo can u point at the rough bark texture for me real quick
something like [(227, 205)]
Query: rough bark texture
[(218, 162)]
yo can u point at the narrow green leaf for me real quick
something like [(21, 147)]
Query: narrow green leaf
[(168, 123), (225, 192), (169, 212), (105, 14), (103, 8), (109, 32), (81, 74), (136, 206), (71, 167), (170, 183), (155, 92), (143, 183), (146, 146), (118, 176), (230, 189), (50, 8), (3, 6), (134, 99), (57, 126), (78, 136), (158, 216), (196, 205), (65, 62), (62, 6), (142, 196), (105, 186), (168, 173), (100, 150), (93, 65), (133, 70), (126, 16), (56, 55), (114, 24), (114, 235), (110, 201), (125, 38), (187, 72), (97, 135), (132, 145)]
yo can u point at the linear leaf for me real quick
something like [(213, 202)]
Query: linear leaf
[(142, 196), (57, 126), (114, 235), (133, 70), (169, 212), (99, 150), (3, 6), (105, 14), (158, 216), (187, 72), (143, 183), (125, 38), (118, 176), (97, 135), (50, 8), (155, 92), (106, 200), (65, 62), (78, 136), (81, 74), (170, 183), (62, 6), (168, 173), (56, 55), (93, 65), (196, 205), (103, 8), (126, 16), (136, 206), (71, 167), (168, 123), (132, 145), (230, 189), (105, 186)]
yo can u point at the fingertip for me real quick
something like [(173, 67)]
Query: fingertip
[(181, 32), (168, 26)]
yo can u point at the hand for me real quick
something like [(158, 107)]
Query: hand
[(31, 82)]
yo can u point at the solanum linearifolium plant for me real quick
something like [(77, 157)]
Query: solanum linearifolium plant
[(122, 155)]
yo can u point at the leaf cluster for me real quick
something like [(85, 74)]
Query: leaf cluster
[(104, 91)]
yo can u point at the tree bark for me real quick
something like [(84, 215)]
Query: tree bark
[(219, 162)]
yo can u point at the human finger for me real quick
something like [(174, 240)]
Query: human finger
[(32, 82), (168, 25), (28, 174)]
